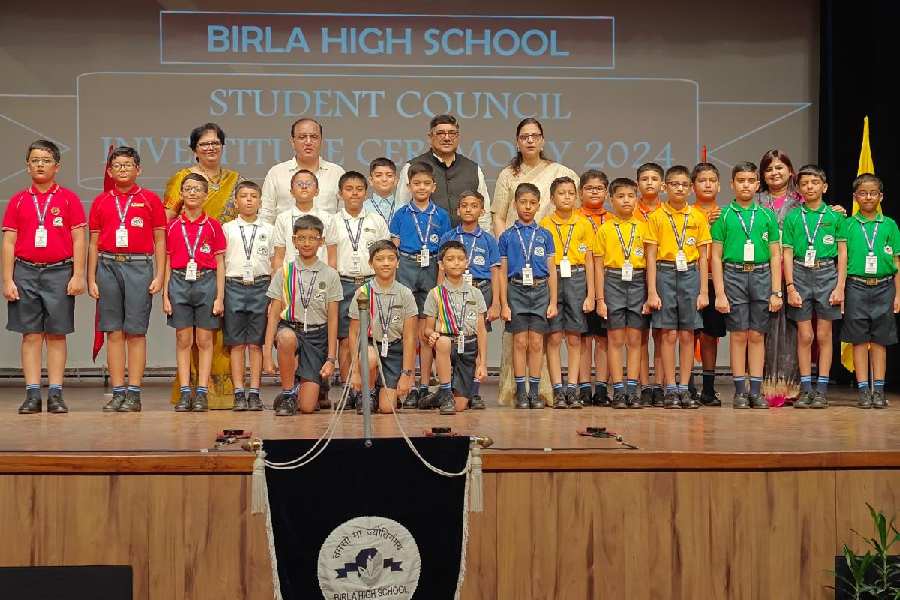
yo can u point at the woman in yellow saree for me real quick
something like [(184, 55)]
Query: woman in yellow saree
[(208, 143)]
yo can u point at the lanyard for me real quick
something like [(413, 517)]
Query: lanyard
[(123, 214), (304, 301), (474, 236), (376, 202), (248, 248), (869, 243), (384, 318), (678, 240), (527, 253), (811, 239), (354, 240), (192, 249), (568, 237), (626, 252), (416, 213), (747, 230), (455, 314), (41, 214)]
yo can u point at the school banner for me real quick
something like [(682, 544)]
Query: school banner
[(361, 522)]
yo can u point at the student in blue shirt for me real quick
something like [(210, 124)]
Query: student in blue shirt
[(526, 299), (416, 229), (383, 184), (483, 255)]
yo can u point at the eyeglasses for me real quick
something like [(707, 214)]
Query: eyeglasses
[(193, 190), (594, 189), (308, 137), (307, 239), (305, 185), (209, 145), (863, 194), (530, 137), (679, 184), (122, 166), (36, 162), (450, 134)]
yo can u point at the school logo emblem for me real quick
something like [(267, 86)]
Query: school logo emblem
[(204, 248), (828, 240), (137, 222), (57, 221), (54, 210), (435, 238), (478, 260), (765, 235), (263, 251), (539, 251), (638, 251), (263, 237), (888, 250), (582, 248), (691, 241), (369, 557)]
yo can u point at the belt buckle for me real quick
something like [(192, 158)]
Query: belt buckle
[(120, 258), (748, 267), (871, 281)]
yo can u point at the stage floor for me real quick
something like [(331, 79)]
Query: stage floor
[(158, 439)]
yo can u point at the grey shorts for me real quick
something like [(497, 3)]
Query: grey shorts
[(814, 286), (419, 280), (43, 305), (192, 301), (748, 294), (678, 291), (869, 313), (487, 290), (125, 300), (463, 366), (625, 300), (392, 364), (348, 288), (528, 305), (312, 349), (245, 312), (570, 293)]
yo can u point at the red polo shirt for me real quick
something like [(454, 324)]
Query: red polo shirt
[(212, 241), (64, 214), (145, 215)]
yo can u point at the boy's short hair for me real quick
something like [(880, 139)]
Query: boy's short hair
[(352, 175), (45, 145), (195, 177), (303, 120), (622, 182), (743, 167), (306, 222), (451, 245), (471, 194), (443, 120), (593, 174), (380, 245), (677, 170), (197, 133), (704, 166), (382, 161), (650, 166), (304, 172), (868, 178), (417, 168), (251, 185), (560, 181), (527, 188), (127, 152), (812, 170)]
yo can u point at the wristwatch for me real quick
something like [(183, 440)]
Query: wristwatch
[(778, 294), (407, 372), (331, 359)]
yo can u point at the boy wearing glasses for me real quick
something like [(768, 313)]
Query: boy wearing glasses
[(126, 264), (305, 188), (43, 271)]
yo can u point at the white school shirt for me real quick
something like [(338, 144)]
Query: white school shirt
[(276, 189), (373, 229), (260, 251), (284, 231)]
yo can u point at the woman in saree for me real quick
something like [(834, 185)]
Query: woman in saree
[(208, 143), (529, 165)]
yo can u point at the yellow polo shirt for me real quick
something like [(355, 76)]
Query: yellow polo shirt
[(582, 236), (662, 232), (609, 247), (642, 212)]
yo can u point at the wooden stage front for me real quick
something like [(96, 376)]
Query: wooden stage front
[(711, 504)]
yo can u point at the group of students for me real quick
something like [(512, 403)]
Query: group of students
[(593, 279)]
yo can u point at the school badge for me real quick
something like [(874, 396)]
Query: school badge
[(57, 221), (54, 210), (765, 236), (582, 248), (888, 250), (638, 251), (137, 222), (435, 238), (691, 241), (478, 259), (828, 240), (204, 248), (539, 251)]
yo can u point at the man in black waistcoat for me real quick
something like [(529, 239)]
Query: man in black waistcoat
[(453, 172)]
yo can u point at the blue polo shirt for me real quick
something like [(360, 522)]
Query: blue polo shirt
[(541, 248), (481, 248), (383, 207), (403, 227)]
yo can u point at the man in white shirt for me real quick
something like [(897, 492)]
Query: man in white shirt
[(306, 139)]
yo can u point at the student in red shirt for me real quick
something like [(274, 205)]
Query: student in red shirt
[(194, 288), (128, 231), (43, 271)]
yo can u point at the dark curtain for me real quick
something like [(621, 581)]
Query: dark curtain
[(858, 66)]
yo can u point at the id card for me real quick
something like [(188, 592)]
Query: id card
[(871, 264), (749, 252), (809, 259), (681, 263), (247, 274), (355, 264), (627, 271), (527, 275), (424, 257), (121, 237), (460, 343), (190, 271), (467, 277), (565, 268), (384, 345), (40, 237), (305, 326)]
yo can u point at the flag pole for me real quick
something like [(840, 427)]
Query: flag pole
[(363, 301)]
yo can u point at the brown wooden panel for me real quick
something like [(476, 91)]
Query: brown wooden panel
[(481, 556), (854, 489)]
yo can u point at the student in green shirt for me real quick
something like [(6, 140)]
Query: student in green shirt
[(746, 268), (815, 270), (872, 294)]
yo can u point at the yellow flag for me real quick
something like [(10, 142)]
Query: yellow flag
[(866, 165)]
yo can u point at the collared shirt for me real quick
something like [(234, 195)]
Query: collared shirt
[(404, 196), (728, 231), (210, 244), (276, 189), (666, 223), (642, 212), (393, 305), (830, 231), (241, 235), (284, 231), (384, 207), (886, 246), (466, 303), (326, 287), (481, 248), (595, 217), (517, 257), (64, 214), (403, 227), (576, 230), (369, 227), (143, 216), (609, 245)]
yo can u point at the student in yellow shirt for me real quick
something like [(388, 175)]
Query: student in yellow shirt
[(573, 240), (650, 177)]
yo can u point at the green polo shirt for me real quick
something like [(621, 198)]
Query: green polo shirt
[(886, 247), (826, 238), (727, 231)]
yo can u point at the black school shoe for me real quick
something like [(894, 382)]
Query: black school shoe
[(115, 402), (713, 399), (657, 397), (55, 403), (184, 402), (818, 400), (447, 405), (477, 403), (804, 400), (865, 398), (201, 403), (601, 396), (688, 400), (522, 400), (757, 401), (535, 400), (646, 397), (671, 400), (878, 400), (132, 402), (559, 399), (741, 400), (584, 395), (32, 403), (573, 399), (240, 402), (412, 399), (634, 400), (620, 400), (254, 402), (287, 406)]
